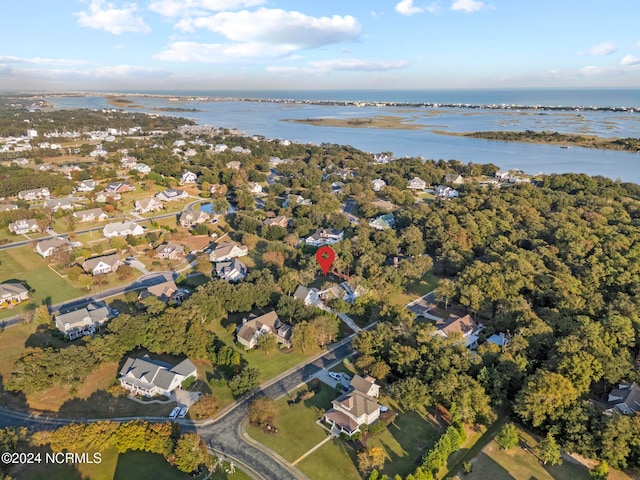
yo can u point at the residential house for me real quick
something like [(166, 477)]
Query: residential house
[(352, 410), (417, 183), (308, 295), (103, 197), (269, 323), (103, 264), (189, 218), (296, 200), (279, 221), (232, 270), (55, 204), (385, 205), (383, 222), (219, 148), (7, 207), (378, 184), (502, 175), (255, 187), (147, 377), (146, 205), (34, 194), (226, 251), (172, 195), (142, 168), (442, 191), (234, 165), (215, 188), (119, 187), (165, 291), (22, 226), (324, 236), (366, 385), (336, 187), (465, 326), (128, 162), (499, 339), (87, 186), (91, 215), (625, 399), (84, 321), (188, 177), (47, 247), (454, 178), (382, 157), (12, 293), (122, 229), (170, 251)]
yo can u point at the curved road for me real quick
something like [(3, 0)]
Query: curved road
[(222, 434)]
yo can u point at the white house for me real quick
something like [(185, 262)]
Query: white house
[(91, 215), (324, 236), (12, 293), (227, 251), (356, 408), (22, 226), (308, 295), (378, 184), (454, 178), (34, 194), (122, 229), (189, 218), (146, 205), (255, 187), (445, 192), (231, 271), (128, 162), (83, 321), (172, 195), (55, 204), (417, 183), (169, 250), (102, 265), (142, 168), (48, 246), (188, 177), (148, 377), (87, 186), (234, 165)]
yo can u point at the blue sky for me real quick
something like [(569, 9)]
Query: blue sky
[(311, 44)]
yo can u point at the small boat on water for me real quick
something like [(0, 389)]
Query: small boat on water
[(564, 146)]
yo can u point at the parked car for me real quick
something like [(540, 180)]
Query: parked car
[(174, 413), (335, 376), (346, 377), (183, 412)]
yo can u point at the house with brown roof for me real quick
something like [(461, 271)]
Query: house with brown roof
[(279, 221), (170, 250), (146, 205), (366, 385), (48, 246), (269, 323), (190, 218), (119, 187), (352, 410), (91, 215), (165, 291), (416, 183), (103, 264), (463, 326)]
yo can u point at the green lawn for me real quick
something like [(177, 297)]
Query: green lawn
[(24, 265), (298, 430), (416, 289), (405, 441), (331, 461)]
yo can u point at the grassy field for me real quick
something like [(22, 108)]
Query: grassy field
[(22, 264), (492, 463), (331, 461), (298, 431), (416, 289)]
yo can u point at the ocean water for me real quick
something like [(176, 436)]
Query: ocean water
[(269, 119)]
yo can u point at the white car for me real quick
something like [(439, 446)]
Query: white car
[(335, 376), (174, 413), (183, 412)]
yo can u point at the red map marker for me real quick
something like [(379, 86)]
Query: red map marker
[(325, 256)]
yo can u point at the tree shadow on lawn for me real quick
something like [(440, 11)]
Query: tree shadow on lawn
[(13, 400), (43, 337), (102, 404), (486, 468)]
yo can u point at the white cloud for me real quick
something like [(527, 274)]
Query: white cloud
[(467, 6), (186, 8), (357, 65), (103, 15), (278, 27), (39, 61), (605, 48), (406, 7), (626, 61), (221, 52), (128, 71)]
